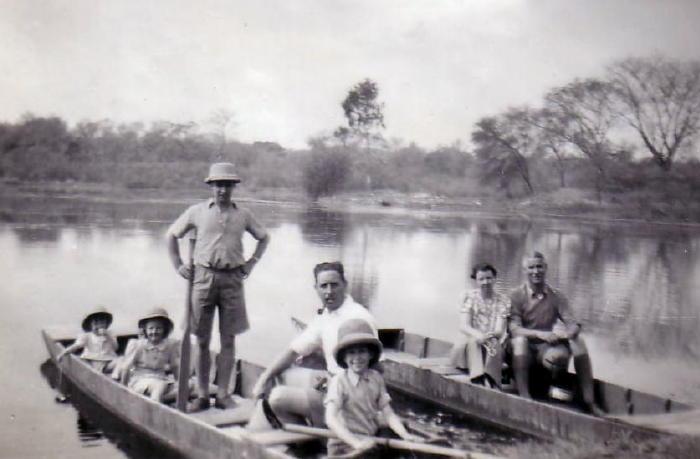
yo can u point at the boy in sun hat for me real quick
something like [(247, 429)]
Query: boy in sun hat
[(147, 369), (220, 267), (357, 401), (98, 345)]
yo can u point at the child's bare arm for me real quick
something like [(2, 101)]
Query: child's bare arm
[(112, 339), (336, 425), (396, 425), (175, 360), (76, 346), (127, 366)]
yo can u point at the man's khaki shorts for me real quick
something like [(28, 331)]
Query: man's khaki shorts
[(223, 290)]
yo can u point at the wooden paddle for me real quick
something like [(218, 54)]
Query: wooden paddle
[(394, 443), (60, 396), (183, 380)]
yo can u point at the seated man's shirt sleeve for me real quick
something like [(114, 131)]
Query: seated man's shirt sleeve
[(308, 341), (564, 309), (516, 314)]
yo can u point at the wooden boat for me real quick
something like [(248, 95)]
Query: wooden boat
[(213, 433), (210, 434), (418, 366)]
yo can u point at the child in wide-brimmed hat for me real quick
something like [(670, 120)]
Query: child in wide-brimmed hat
[(147, 370), (98, 345), (357, 397)]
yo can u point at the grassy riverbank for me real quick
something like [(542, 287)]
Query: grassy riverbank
[(562, 203)]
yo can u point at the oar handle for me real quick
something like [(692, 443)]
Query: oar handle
[(390, 442), (183, 386)]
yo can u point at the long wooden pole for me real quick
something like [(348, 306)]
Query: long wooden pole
[(183, 380), (393, 443)]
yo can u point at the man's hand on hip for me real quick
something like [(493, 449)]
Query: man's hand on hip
[(185, 271)]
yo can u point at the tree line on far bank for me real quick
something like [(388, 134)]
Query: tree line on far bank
[(631, 132)]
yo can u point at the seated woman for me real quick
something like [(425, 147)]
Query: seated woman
[(483, 319)]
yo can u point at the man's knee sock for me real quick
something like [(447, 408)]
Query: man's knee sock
[(521, 371), (584, 375)]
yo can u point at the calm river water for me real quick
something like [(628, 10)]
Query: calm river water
[(633, 286)]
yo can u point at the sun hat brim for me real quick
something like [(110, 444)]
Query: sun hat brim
[(222, 178), (223, 172), (88, 319), (354, 339), (163, 317)]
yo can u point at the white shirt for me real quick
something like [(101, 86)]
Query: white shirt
[(322, 332)]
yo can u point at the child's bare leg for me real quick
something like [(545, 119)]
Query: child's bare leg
[(158, 390)]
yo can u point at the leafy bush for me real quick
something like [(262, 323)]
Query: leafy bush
[(325, 172)]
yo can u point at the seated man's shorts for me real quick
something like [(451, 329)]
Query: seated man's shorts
[(222, 289)]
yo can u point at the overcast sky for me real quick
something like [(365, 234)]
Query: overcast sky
[(284, 66)]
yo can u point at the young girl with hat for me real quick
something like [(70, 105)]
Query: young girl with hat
[(357, 401), (98, 345), (146, 370)]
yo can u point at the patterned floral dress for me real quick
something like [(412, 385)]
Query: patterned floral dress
[(482, 314)]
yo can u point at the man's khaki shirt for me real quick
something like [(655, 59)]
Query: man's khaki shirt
[(219, 233)]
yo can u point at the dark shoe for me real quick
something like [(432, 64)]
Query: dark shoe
[(225, 403), (584, 375), (199, 404)]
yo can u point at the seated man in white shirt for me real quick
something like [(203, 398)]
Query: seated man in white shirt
[(303, 396)]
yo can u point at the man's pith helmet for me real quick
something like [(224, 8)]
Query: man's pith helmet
[(222, 172)]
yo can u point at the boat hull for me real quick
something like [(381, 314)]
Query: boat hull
[(175, 430), (416, 366)]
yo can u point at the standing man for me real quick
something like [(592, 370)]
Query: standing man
[(302, 392), (536, 308), (219, 271)]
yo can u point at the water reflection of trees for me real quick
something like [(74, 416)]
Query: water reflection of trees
[(323, 227), (31, 234), (361, 271), (662, 318), (638, 290), (632, 289), (34, 212), (501, 243)]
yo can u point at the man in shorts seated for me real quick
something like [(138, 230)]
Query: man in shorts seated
[(544, 328)]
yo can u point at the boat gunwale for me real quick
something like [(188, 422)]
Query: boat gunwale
[(489, 412), (72, 366)]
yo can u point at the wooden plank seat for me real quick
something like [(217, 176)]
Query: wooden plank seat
[(240, 414)]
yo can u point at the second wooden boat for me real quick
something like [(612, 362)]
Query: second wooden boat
[(417, 366)]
